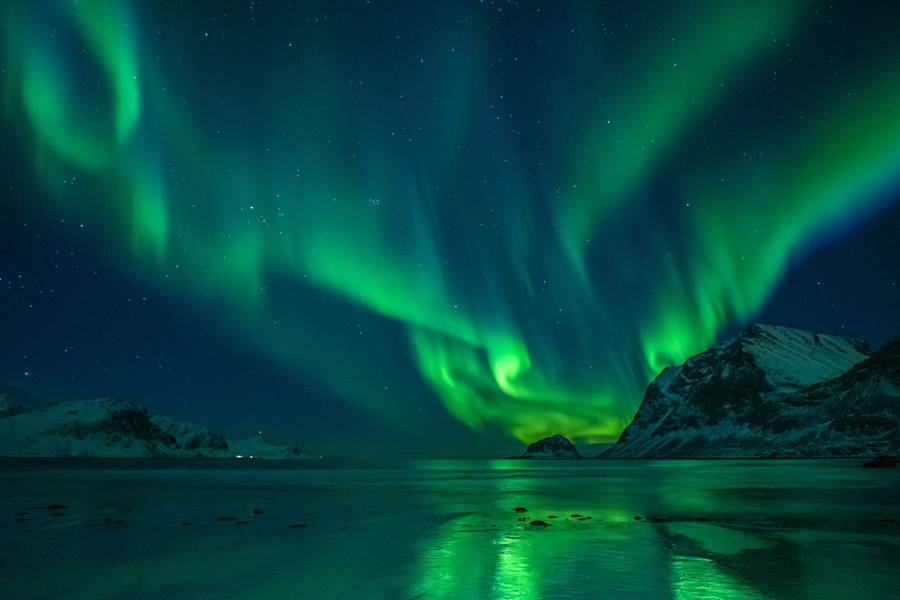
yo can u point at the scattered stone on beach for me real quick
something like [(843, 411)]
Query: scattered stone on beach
[(888, 521), (105, 521), (540, 524), (242, 522), (882, 462), (227, 519), (637, 518), (298, 525), (51, 507), (256, 511), (576, 516), (186, 523), (520, 509)]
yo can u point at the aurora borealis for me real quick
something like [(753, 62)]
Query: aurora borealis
[(518, 211)]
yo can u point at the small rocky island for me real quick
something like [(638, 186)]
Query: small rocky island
[(553, 447)]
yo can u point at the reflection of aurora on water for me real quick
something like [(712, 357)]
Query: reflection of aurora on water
[(680, 530), (550, 208), (741, 529), (623, 560)]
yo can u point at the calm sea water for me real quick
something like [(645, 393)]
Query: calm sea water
[(448, 529)]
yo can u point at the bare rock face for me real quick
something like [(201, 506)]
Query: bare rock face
[(553, 447), (772, 392), (8, 408), (189, 436)]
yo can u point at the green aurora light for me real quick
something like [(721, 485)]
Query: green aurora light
[(549, 225)]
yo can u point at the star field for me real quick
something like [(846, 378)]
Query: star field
[(403, 223)]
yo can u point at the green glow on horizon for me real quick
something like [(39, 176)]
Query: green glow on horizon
[(533, 302), (480, 393)]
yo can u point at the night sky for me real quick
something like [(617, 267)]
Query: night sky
[(434, 228)]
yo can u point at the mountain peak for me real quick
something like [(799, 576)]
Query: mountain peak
[(762, 393)]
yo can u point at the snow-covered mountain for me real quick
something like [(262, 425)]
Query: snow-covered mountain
[(189, 436), (555, 446), (111, 428), (772, 391)]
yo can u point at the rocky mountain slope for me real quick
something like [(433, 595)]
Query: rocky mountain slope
[(772, 392), (111, 428)]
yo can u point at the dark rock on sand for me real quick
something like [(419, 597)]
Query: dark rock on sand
[(882, 462)]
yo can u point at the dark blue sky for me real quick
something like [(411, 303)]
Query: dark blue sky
[(405, 228)]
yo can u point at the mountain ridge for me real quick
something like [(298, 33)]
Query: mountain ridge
[(114, 428), (771, 392)]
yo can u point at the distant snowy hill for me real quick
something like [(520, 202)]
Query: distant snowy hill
[(254, 447), (772, 392), (110, 428)]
